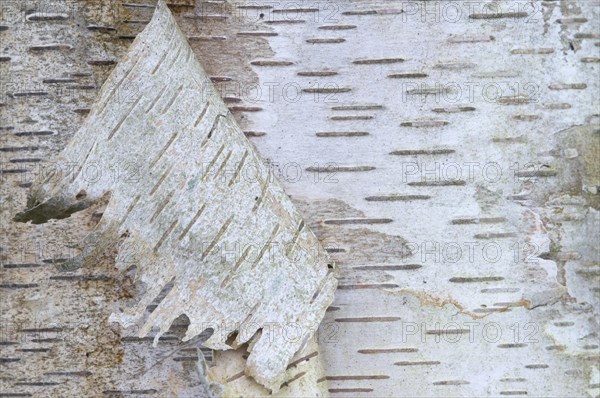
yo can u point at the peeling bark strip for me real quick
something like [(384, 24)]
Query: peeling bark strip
[(237, 249)]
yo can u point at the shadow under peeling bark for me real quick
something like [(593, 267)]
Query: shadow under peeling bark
[(56, 208), (195, 207)]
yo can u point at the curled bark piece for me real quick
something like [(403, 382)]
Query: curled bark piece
[(192, 203)]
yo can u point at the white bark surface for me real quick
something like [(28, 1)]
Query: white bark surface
[(400, 77)]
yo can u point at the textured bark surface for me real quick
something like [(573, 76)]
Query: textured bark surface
[(380, 62), (204, 218)]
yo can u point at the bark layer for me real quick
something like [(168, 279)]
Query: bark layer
[(196, 207)]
